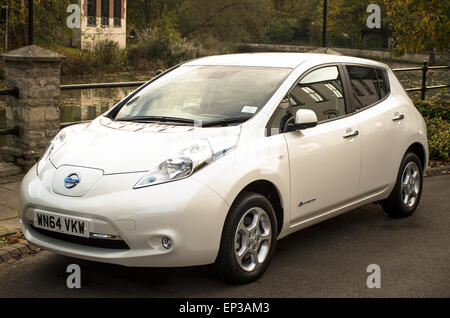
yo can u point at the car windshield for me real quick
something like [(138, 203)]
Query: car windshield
[(214, 94)]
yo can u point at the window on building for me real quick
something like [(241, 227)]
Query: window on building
[(105, 12), (117, 12), (334, 89), (315, 95), (92, 12)]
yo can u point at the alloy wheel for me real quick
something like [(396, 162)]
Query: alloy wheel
[(410, 184), (252, 239)]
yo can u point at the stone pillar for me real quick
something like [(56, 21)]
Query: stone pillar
[(36, 72)]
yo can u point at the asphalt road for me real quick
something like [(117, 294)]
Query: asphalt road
[(326, 260)]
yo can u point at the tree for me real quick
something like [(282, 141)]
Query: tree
[(49, 21), (346, 20), (419, 25)]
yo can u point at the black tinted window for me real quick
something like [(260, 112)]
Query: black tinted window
[(368, 85)]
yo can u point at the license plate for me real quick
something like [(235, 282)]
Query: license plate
[(62, 224)]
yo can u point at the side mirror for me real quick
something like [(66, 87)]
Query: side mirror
[(304, 118)]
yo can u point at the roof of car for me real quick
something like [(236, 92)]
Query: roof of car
[(285, 60)]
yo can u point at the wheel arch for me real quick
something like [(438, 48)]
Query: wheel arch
[(418, 149), (270, 191)]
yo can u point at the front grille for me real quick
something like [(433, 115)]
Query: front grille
[(94, 242)]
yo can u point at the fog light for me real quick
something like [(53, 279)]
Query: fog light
[(166, 243)]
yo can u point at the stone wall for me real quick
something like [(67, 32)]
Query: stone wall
[(440, 58), (36, 72)]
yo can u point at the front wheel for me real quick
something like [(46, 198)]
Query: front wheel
[(248, 239), (407, 191)]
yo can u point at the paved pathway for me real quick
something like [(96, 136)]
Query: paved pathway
[(9, 205)]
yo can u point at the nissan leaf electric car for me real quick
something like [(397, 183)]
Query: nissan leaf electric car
[(214, 160)]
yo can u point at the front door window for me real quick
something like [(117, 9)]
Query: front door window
[(320, 91)]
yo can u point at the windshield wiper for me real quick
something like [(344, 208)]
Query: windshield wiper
[(157, 118), (219, 122), (226, 121)]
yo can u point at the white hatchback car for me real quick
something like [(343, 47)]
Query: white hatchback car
[(215, 159)]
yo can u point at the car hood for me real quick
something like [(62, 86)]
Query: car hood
[(121, 147)]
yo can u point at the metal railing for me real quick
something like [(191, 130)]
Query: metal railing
[(15, 91), (11, 131), (101, 85), (425, 68)]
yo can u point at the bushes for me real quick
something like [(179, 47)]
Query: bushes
[(160, 46), (157, 47), (163, 48), (281, 31), (439, 139), (106, 57), (152, 51), (434, 109), (437, 115), (109, 57)]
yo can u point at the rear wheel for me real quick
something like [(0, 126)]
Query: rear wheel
[(248, 239), (405, 196)]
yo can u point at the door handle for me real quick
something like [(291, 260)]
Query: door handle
[(398, 117), (352, 134)]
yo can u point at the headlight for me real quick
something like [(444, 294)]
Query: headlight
[(59, 140), (188, 160)]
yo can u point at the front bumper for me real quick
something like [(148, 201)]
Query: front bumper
[(186, 211)]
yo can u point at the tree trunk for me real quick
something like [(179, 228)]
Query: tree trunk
[(432, 58), (147, 12)]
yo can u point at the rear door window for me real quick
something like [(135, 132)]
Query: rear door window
[(368, 84)]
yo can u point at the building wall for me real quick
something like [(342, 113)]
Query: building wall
[(90, 35)]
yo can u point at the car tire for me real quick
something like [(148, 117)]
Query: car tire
[(405, 196), (248, 239)]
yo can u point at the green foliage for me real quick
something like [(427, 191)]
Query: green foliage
[(109, 57), (439, 139), (437, 116), (77, 62), (281, 31), (434, 109), (419, 25), (106, 57), (50, 25), (160, 46), (49, 21)]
